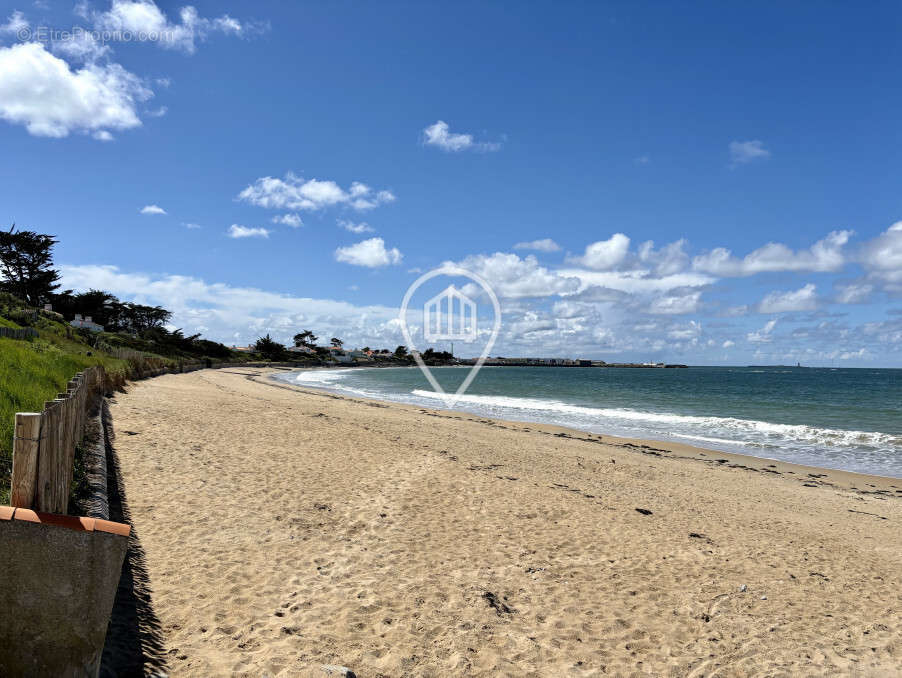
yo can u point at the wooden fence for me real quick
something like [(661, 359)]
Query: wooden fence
[(44, 445), (18, 334)]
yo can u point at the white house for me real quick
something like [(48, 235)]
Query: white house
[(86, 323)]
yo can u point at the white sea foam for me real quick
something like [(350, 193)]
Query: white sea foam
[(862, 451), (720, 429)]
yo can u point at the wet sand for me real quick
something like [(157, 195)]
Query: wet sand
[(286, 529)]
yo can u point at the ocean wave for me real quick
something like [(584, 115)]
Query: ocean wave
[(317, 376), (725, 429)]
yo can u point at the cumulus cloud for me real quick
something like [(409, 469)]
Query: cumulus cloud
[(41, 92), (882, 258), (293, 220), (543, 245), (636, 281), (440, 136), (743, 152), (371, 253), (803, 299), (511, 276), (295, 193), (239, 231), (79, 45), (667, 260), (351, 227), (152, 209), (853, 293), (604, 255), (826, 255), (142, 20), (15, 23), (676, 304), (764, 334)]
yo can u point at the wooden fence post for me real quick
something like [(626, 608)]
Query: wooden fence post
[(47, 459), (25, 459), (44, 445)]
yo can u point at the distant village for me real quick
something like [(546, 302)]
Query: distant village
[(345, 356)]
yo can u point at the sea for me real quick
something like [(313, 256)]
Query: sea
[(846, 419)]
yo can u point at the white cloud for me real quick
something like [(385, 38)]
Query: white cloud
[(40, 91), (293, 220), (191, 226), (764, 334), (15, 23), (676, 305), (544, 245), (351, 227), (742, 152), (604, 254), (142, 20), (728, 343), (79, 45), (803, 299), (688, 332), (825, 255), (511, 276), (641, 160), (440, 136), (668, 260), (882, 258), (238, 315), (296, 193), (152, 209), (636, 281), (371, 253), (853, 293), (239, 231)]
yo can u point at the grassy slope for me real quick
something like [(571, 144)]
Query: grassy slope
[(33, 371), (36, 370)]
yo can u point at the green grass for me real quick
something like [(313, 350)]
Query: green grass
[(31, 373)]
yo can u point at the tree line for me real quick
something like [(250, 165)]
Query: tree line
[(27, 273)]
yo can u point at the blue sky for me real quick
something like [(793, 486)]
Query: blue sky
[(405, 135)]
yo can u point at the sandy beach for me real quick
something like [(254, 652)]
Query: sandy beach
[(279, 530)]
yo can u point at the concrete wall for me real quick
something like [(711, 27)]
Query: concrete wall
[(58, 579)]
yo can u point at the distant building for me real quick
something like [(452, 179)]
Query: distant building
[(300, 349), (339, 354), (86, 323), (244, 349)]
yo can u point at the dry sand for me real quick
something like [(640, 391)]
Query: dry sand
[(286, 529)]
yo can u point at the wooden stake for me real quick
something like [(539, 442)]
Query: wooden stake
[(26, 446)]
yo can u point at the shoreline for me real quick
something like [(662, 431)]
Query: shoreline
[(282, 529), (848, 479)]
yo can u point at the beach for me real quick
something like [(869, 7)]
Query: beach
[(283, 529)]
